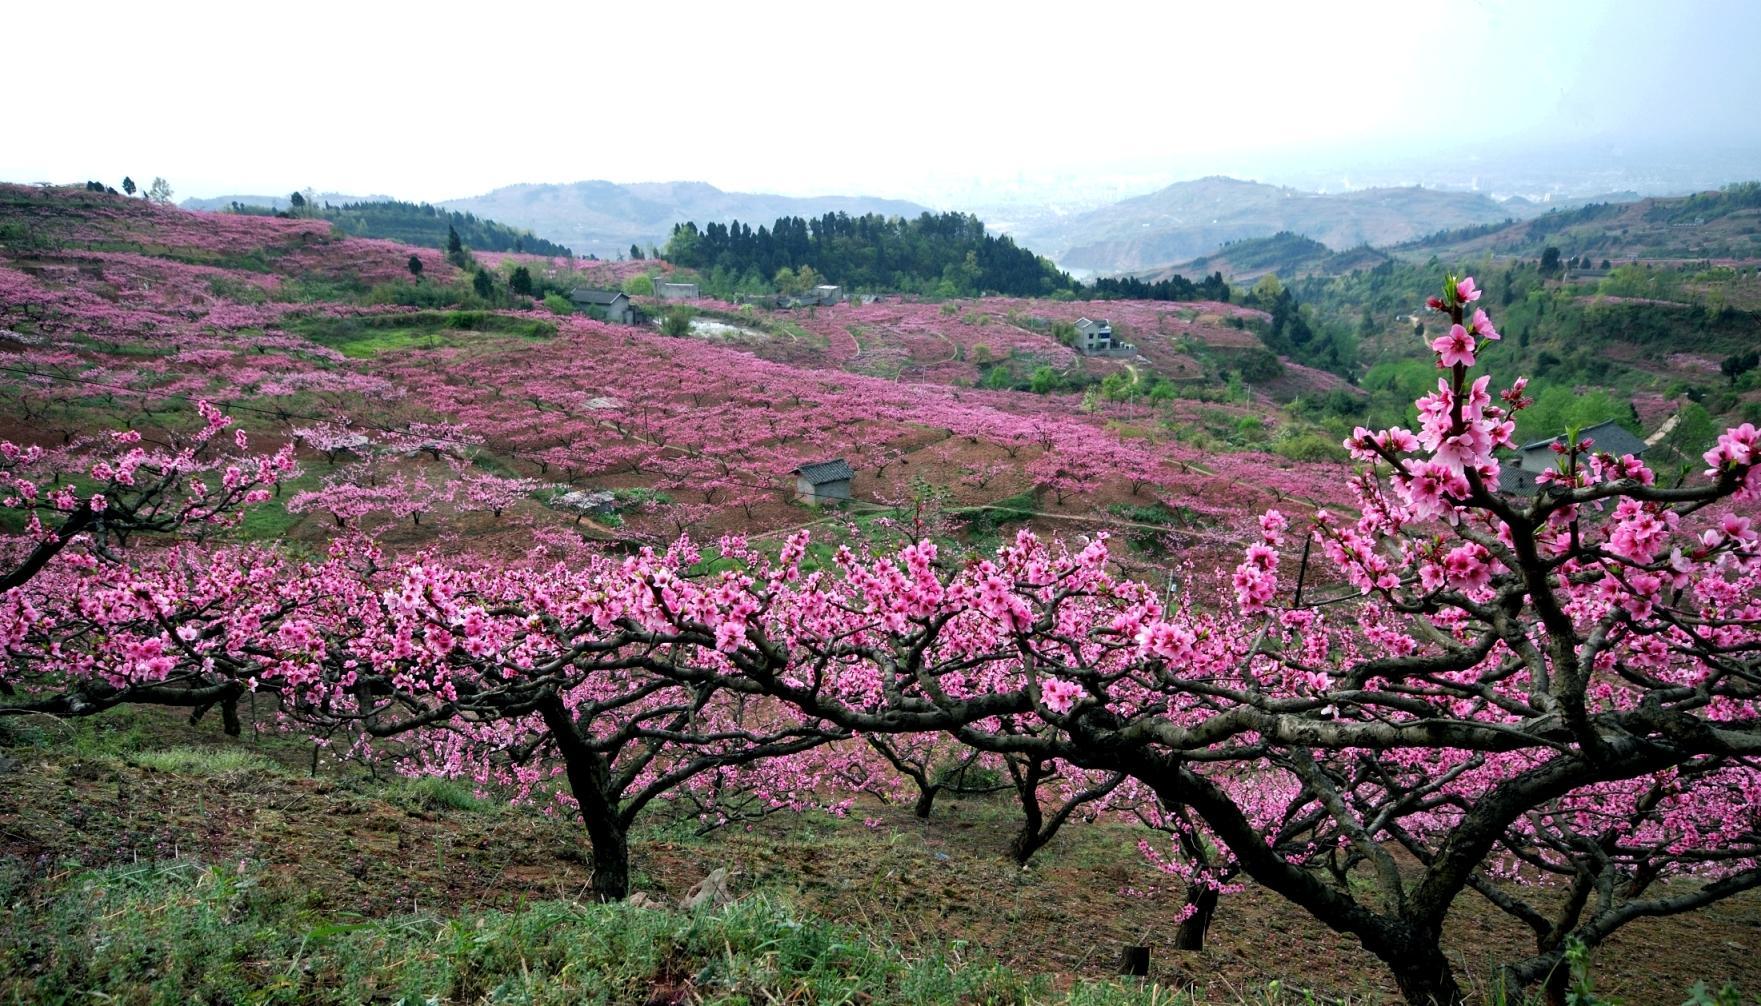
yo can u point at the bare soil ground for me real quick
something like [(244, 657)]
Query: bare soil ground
[(76, 794)]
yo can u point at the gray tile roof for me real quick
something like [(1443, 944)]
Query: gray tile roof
[(602, 298), (820, 472), (1517, 481), (1608, 436)]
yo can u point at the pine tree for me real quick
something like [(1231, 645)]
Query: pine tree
[(128, 185), (455, 249)]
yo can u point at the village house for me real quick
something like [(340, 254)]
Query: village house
[(823, 480), (677, 291), (826, 294), (614, 304), (1519, 477), (1608, 437), (1095, 338)]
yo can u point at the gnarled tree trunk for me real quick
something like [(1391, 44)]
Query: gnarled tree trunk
[(589, 775), (1191, 934)]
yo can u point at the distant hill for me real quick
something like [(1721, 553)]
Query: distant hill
[(605, 218), (217, 203), (422, 224), (413, 224), (1289, 255), (1725, 224), (1190, 219)]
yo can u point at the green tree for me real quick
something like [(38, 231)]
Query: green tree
[(677, 322), (159, 192), (1738, 364), (298, 203), (640, 285), (520, 282), (416, 266), (1266, 291), (635, 253), (481, 284), (682, 246), (128, 185), (1694, 431), (455, 248), (1558, 408), (1549, 261), (1117, 385), (1044, 380)]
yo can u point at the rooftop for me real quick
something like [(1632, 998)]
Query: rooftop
[(586, 295), (1608, 437), (820, 472)]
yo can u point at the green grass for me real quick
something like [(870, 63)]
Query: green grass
[(431, 794), (985, 523), (366, 337), (270, 520), (203, 761), (181, 932)]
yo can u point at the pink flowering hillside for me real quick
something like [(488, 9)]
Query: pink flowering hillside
[(411, 519)]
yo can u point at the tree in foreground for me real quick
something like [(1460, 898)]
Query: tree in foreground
[(82, 506), (1508, 688), (1502, 689)]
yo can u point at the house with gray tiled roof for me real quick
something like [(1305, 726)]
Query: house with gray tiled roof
[(1518, 477), (823, 480), (1607, 437), (614, 304)]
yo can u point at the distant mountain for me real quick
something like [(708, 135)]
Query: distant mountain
[(1190, 219), (1290, 256), (605, 218), (275, 202), (1725, 224)]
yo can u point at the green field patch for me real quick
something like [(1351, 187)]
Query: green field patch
[(363, 337)]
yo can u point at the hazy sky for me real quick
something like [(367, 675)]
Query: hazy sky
[(934, 101)]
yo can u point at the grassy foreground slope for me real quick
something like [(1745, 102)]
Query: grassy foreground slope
[(155, 861)]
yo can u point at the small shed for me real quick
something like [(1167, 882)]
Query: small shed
[(1607, 437), (823, 480), (1093, 336), (613, 303), (677, 291), (827, 294)]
